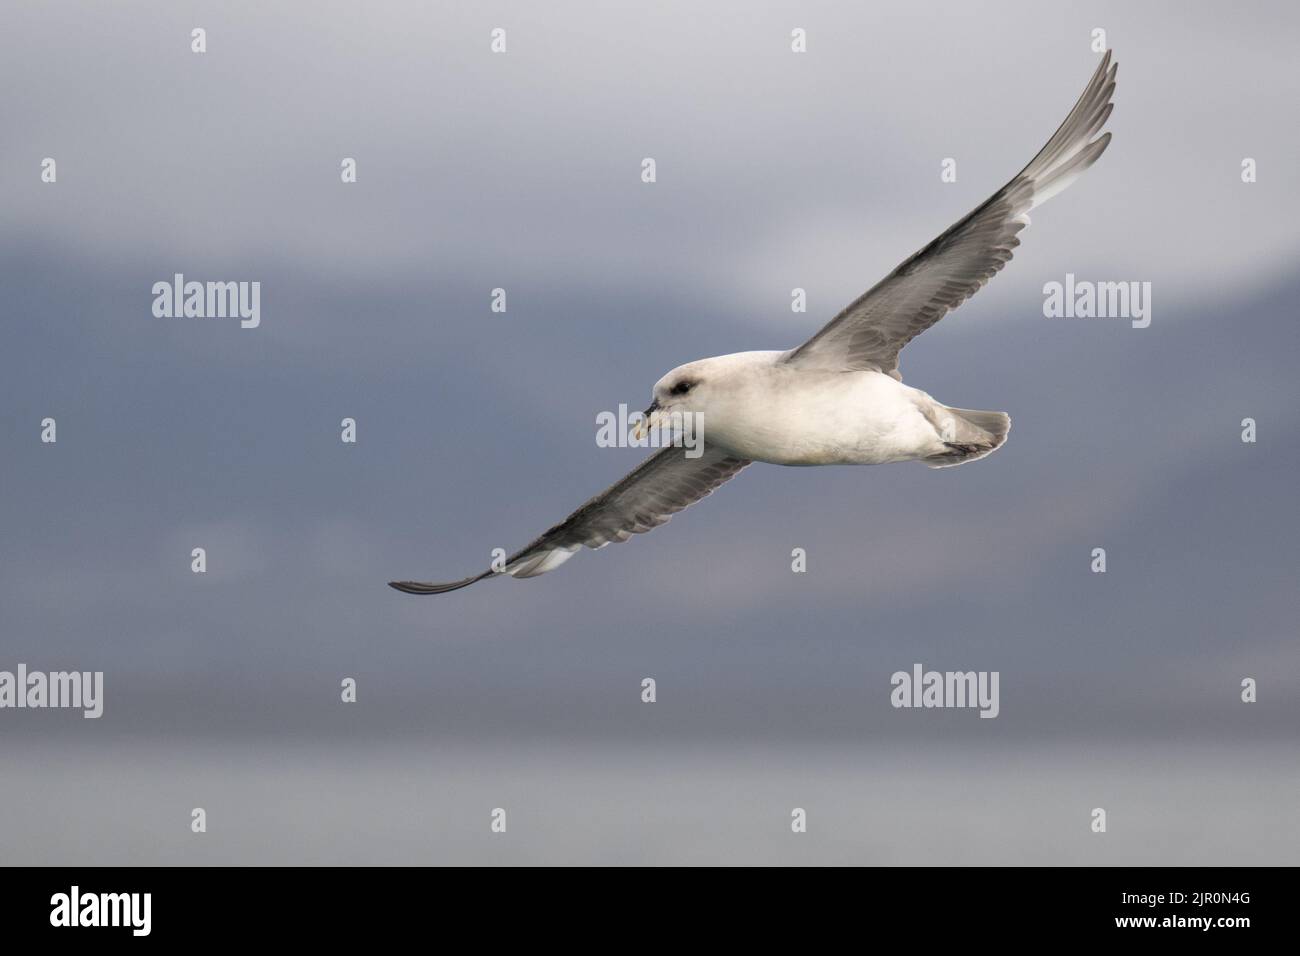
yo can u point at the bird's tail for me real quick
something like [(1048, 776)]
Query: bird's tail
[(968, 434)]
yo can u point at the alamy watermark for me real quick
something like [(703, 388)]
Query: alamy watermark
[(38, 689), (922, 688), (208, 300), (76, 908), (661, 429), (1085, 299)]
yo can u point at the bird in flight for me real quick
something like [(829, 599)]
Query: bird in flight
[(837, 399)]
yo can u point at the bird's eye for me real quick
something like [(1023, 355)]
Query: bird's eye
[(681, 388)]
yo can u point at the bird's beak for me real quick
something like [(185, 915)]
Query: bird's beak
[(649, 420)]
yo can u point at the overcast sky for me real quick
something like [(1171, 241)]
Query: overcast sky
[(477, 430)]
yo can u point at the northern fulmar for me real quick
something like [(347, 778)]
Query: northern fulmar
[(837, 399)]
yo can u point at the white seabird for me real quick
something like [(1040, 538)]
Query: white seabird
[(838, 399)]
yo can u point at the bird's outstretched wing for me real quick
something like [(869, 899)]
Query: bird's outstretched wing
[(645, 498), (873, 330)]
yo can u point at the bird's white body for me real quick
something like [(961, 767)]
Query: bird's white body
[(755, 407)]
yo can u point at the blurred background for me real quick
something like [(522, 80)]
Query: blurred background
[(477, 430)]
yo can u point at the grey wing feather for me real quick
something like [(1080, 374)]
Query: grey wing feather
[(923, 289), (645, 498)]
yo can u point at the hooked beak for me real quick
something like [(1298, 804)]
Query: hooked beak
[(649, 420)]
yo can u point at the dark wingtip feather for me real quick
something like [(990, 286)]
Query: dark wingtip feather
[(431, 587)]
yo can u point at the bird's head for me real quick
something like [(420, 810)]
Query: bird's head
[(682, 393), (707, 391)]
